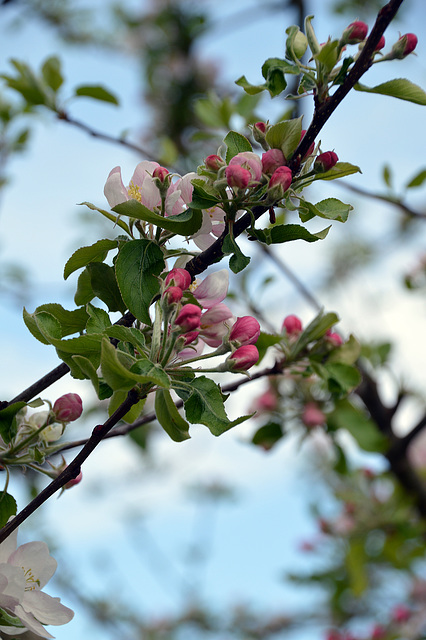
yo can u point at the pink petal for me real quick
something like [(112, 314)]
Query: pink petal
[(115, 191), (143, 170), (212, 289)]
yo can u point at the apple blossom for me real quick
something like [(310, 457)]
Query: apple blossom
[(243, 358), (403, 47), (237, 177), (279, 183), (246, 330), (24, 571), (212, 289), (325, 161), (249, 161), (212, 227), (68, 407), (354, 33), (215, 324), (172, 295)]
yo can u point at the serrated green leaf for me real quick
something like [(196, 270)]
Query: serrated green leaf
[(105, 287), (347, 353), (51, 72), (201, 198), (70, 321), (49, 326), (286, 233), (118, 377), (169, 417), (127, 334), (8, 420), (94, 253), (340, 170), (328, 55), (88, 370), (417, 180), (137, 266), (399, 88), (183, 224), (345, 376), (8, 507), (264, 341), (97, 92), (98, 321), (31, 324), (204, 404), (236, 143), (238, 260)]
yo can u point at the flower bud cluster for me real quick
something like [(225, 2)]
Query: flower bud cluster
[(196, 316)]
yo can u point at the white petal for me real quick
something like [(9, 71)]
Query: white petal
[(31, 623), (150, 195), (213, 289), (143, 170), (9, 545), (12, 585), (36, 562), (46, 609), (114, 190)]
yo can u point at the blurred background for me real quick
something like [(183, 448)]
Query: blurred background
[(199, 539)]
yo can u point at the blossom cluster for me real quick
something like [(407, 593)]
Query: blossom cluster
[(207, 320)]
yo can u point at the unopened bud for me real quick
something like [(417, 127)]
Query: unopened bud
[(333, 338), (214, 162), (160, 173), (325, 161), (354, 33), (173, 295), (179, 277), (271, 160), (403, 47), (189, 317), (279, 183), (380, 44), (237, 176), (246, 330), (68, 408), (259, 134), (74, 481), (293, 325), (243, 358)]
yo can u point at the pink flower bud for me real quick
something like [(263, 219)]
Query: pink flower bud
[(312, 415), (279, 183), (173, 294), (259, 131), (243, 358), (237, 176), (333, 338), (378, 632), (355, 32), (271, 160), (68, 408), (311, 148), (404, 46), (191, 336), (267, 401), (325, 161), (246, 330), (250, 161), (293, 325), (260, 126), (401, 613), (189, 317), (74, 481), (181, 278), (214, 162), (160, 173)]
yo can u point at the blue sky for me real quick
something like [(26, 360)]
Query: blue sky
[(256, 539)]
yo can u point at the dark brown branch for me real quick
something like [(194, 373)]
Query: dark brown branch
[(73, 469)]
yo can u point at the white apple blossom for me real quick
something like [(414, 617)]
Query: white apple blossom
[(24, 571)]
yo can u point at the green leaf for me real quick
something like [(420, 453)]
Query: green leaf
[(31, 88), (104, 285), (342, 377), (328, 55), (238, 260), (356, 564), (49, 326), (133, 414), (264, 341), (347, 353), (183, 224), (251, 89), (98, 321), (95, 253), (8, 508), (127, 334), (268, 435), (88, 370), (236, 143), (340, 170), (51, 72), (286, 233), (110, 216), (84, 292), (204, 404), (418, 180), (118, 377), (285, 135), (399, 88), (201, 198), (6, 620), (137, 266), (8, 420), (330, 209), (70, 321), (359, 425), (387, 176), (31, 324), (169, 417), (96, 92)]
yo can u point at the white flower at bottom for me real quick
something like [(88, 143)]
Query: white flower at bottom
[(24, 571)]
